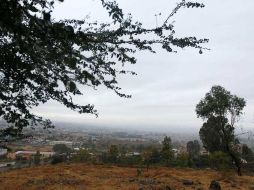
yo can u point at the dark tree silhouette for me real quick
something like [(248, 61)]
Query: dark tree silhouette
[(166, 151), (193, 149), (211, 135), (221, 109), (44, 59), (61, 149)]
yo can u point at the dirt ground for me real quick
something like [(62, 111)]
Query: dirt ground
[(94, 177)]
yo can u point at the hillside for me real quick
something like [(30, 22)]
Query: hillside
[(90, 177)]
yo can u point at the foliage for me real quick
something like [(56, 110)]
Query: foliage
[(151, 155), (57, 158), (37, 158), (113, 154), (82, 156), (139, 172), (180, 161), (220, 160), (221, 109), (166, 151), (146, 157), (46, 59), (213, 137), (61, 149), (203, 161), (155, 156), (220, 103), (193, 149), (247, 153), (130, 160), (123, 150)]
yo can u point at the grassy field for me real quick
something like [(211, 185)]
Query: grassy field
[(90, 177)]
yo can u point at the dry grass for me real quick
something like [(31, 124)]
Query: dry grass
[(90, 177)]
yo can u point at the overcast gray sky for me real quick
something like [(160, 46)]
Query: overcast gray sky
[(168, 86)]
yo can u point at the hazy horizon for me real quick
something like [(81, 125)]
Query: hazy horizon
[(169, 86)]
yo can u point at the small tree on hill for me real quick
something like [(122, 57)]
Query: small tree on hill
[(193, 149), (166, 151), (61, 149), (37, 158), (221, 110), (82, 156), (147, 157), (113, 154)]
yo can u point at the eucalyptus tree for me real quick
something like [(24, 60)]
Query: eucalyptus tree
[(221, 110), (42, 58)]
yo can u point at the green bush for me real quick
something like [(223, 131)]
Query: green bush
[(82, 156), (219, 160), (56, 159)]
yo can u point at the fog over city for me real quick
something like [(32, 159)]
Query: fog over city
[(169, 85)]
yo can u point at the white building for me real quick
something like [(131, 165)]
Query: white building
[(44, 154), (67, 143)]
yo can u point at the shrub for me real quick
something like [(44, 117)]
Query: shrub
[(57, 158), (219, 160)]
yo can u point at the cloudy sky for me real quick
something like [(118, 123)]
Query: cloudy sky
[(168, 86)]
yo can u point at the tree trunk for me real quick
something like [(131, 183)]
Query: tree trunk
[(239, 172), (237, 162)]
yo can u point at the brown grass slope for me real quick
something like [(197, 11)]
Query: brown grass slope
[(91, 177)]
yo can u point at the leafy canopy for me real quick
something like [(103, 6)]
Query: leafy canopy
[(44, 59), (61, 149), (220, 103), (215, 136)]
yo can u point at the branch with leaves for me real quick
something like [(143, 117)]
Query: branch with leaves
[(44, 59)]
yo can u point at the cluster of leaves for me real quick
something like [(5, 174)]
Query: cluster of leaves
[(221, 103), (216, 137), (43, 59)]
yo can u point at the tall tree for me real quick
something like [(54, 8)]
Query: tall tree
[(37, 158), (42, 58), (221, 110), (113, 153), (166, 151)]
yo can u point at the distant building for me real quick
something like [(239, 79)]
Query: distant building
[(132, 154), (29, 154), (204, 153), (67, 143), (244, 161), (6, 164), (136, 153), (175, 152)]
